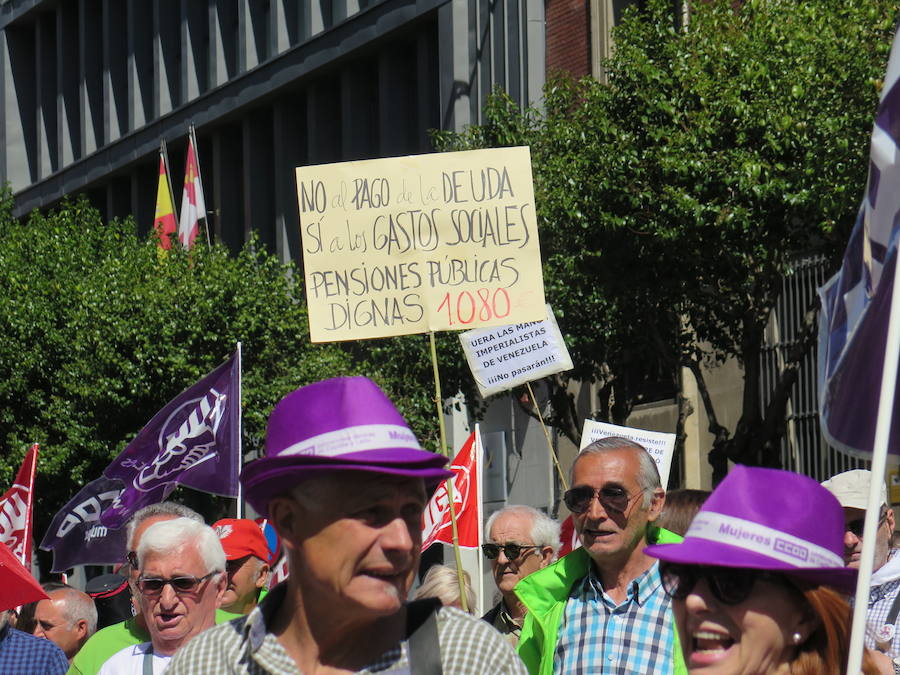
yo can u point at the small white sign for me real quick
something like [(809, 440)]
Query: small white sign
[(661, 446), (504, 357)]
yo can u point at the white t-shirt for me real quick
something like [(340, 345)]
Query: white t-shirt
[(130, 661)]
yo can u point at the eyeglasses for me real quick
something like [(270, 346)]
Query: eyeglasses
[(612, 498), (151, 586), (856, 527), (511, 551), (729, 585)]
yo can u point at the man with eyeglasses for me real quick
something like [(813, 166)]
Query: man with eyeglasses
[(852, 490), (521, 540), (602, 608), (181, 581), (107, 641)]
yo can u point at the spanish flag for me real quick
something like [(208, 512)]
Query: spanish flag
[(165, 223)]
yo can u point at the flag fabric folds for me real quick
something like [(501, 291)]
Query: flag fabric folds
[(436, 525), (193, 441), (193, 206), (16, 507), (76, 535), (855, 311), (164, 223)]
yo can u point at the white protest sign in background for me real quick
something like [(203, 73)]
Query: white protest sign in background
[(504, 357), (661, 446), (446, 241)]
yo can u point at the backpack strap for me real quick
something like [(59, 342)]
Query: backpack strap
[(422, 633)]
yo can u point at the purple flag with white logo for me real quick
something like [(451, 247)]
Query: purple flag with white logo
[(855, 313), (77, 537), (193, 441)]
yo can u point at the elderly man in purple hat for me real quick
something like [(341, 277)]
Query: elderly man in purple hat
[(344, 482)]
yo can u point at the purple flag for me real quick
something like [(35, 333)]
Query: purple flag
[(76, 535), (856, 301), (194, 441)]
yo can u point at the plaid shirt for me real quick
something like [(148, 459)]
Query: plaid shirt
[(881, 598), (24, 654), (599, 637), (246, 647)]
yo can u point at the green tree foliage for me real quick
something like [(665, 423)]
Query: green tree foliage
[(97, 334), (673, 199)]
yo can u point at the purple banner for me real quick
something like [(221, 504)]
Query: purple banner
[(76, 535), (193, 441)]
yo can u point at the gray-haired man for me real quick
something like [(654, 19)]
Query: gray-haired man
[(181, 582), (521, 540)]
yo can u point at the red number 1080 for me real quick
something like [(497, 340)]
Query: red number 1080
[(464, 308)]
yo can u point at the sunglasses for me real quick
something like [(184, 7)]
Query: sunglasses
[(856, 527), (152, 586), (511, 551), (612, 498), (729, 585)]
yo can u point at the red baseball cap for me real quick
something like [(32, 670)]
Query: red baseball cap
[(241, 537)]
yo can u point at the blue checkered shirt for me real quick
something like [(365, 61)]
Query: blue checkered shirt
[(24, 654), (599, 637)]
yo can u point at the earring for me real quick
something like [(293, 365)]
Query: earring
[(797, 638)]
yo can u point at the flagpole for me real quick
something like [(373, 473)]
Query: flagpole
[(240, 449), (445, 451), (479, 514), (29, 510), (879, 463), (193, 134), (562, 476), (164, 150)]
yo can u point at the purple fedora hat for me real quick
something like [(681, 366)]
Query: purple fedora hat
[(337, 424), (768, 519)]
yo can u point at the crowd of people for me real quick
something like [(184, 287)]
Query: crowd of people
[(755, 577)]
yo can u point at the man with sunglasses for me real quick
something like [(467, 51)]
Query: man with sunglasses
[(602, 608), (181, 582), (852, 490), (521, 540)]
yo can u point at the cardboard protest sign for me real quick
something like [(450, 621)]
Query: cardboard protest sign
[(507, 356), (445, 241), (661, 446)]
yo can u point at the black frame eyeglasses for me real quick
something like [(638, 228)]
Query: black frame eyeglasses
[(729, 585), (153, 586), (612, 498), (511, 551)]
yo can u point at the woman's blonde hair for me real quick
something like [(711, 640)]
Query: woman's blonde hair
[(442, 582)]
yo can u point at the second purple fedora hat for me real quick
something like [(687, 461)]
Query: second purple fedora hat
[(339, 424), (768, 519)]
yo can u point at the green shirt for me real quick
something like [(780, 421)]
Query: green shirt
[(107, 641)]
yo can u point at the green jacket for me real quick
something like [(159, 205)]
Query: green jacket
[(545, 593)]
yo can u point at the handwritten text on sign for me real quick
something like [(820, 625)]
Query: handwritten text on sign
[(445, 241)]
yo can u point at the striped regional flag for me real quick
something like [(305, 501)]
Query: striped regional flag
[(856, 302), (193, 206)]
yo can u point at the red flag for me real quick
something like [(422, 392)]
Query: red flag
[(193, 206), (164, 222), (15, 510), (568, 537), (436, 524)]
